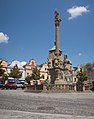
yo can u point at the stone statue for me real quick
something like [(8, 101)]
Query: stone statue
[(57, 19)]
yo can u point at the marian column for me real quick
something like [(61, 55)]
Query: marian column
[(57, 23), (55, 63)]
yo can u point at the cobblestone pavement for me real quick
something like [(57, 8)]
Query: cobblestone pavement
[(17, 104)]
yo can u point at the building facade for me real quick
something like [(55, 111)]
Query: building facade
[(44, 72), (29, 67), (4, 65), (19, 65)]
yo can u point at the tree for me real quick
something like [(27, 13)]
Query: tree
[(89, 67), (28, 79), (15, 72), (47, 84), (82, 76), (36, 74)]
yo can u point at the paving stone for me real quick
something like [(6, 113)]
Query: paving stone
[(17, 104)]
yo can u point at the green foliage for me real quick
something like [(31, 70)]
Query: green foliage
[(35, 75), (4, 78), (82, 76), (28, 79), (89, 67), (15, 72), (47, 82)]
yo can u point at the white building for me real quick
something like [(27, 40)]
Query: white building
[(20, 66)]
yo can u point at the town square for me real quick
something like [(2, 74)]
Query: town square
[(46, 59), (17, 104)]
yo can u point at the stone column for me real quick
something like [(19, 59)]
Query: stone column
[(57, 23), (57, 39)]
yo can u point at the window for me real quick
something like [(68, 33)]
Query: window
[(27, 74), (43, 76), (74, 79), (32, 63)]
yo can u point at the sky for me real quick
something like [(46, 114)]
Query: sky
[(27, 30)]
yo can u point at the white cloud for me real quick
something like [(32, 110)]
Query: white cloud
[(76, 11), (3, 38)]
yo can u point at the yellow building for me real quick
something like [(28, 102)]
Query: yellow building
[(4, 65), (44, 71)]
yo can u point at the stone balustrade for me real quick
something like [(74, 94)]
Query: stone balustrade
[(63, 88), (56, 88), (59, 87)]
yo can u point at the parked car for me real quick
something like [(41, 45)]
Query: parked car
[(20, 85), (1, 84), (9, 86)]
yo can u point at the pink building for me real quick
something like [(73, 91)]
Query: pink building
[(29, 67)]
